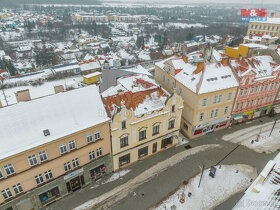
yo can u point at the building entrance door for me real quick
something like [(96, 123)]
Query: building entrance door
[(165, 142), (75, 183)]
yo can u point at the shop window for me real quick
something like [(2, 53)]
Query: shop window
[(142, 152), (97, 171), (49, 195), (124, 160)]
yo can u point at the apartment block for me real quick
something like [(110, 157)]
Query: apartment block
[(259, 78), (51, 147), (207, 88), (269, 27)]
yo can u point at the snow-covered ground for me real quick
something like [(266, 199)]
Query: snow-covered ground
[(118, 175), (184, 25), (212, 191), (120, 192), (257, 137)]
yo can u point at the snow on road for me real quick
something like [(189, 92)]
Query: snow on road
[(264, 144), (107, 199), (212, 191), (117, 175)]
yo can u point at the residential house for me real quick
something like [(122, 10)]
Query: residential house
[(52, 146), (72, 68), (259, 78), (144, 119), (92, 78), (207, 88), (90, 66)]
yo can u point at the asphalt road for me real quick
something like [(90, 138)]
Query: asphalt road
[(158, 188)]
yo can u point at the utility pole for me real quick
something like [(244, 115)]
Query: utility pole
[(273, 127), (201, 175)]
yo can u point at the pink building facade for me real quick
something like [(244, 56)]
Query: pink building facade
[(259, 79)]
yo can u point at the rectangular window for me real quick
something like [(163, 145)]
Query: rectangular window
[(247, 104), (262, 88), (226, 110), (252, 90), (241, 106), (99, 152), (142, 134), (63, 148), (156, 129), (237, 106), (229, 96), (216, 112), (220, 98), (124, 160), (266, 86), (252, 102), (272, 86), (201, 116), (171, 124), (123, 124), (1, 175), (215, 99), (91, 155), (246, 90), (48, 175), (89, 138), (142, 152), (32, 160), (75, 163), (256, 90), (124, 141), (97, 135), (17, 188), (9, 169), (241, 92), (212, 114), (39, 179), (6, 194), (67, 166), (43, 156), (204, 101), (72, 145), (173, 108)]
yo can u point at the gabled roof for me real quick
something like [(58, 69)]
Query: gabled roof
[(138, 93)]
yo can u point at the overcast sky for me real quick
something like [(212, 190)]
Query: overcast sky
[(261, 2)]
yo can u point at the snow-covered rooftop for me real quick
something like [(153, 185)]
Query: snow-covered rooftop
[(89, 65), (22, 125), (267, 195), (138, 92)]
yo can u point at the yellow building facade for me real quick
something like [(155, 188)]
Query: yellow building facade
[(138, 135), (36, 173), (203, 112)]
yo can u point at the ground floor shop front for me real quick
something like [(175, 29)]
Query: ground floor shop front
[(251, 114), (144, 150), (206, 128), (61, 186)]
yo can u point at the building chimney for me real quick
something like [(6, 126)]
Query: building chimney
[(58, 89), (185, 58), (225, 60), (23, 95), (200, 66)]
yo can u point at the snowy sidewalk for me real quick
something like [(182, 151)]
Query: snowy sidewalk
[(257, 137), (212, 191), (118, 193)]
